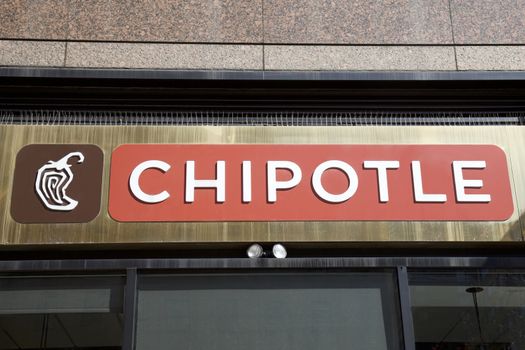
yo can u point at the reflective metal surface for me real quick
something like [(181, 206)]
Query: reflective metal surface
[(104, 230)]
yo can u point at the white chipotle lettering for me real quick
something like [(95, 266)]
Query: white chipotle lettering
[(273, 185)]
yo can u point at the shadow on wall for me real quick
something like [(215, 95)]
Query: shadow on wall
[(515, 232)]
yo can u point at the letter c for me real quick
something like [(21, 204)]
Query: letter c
[(134, 181)]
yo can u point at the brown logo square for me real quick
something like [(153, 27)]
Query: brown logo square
[(57, 184)]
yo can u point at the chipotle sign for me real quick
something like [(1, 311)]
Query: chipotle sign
[(167, 182)]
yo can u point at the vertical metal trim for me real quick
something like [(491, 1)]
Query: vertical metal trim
[(406, 311), (130, 309)]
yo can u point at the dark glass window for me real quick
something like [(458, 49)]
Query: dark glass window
[(268, 311), (61, 312), (468, 310)]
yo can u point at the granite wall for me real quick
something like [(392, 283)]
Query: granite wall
[(265, 34)]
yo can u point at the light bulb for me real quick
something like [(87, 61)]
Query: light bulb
[(279, 251), (254, 251)]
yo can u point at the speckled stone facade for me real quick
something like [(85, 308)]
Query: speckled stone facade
[(374, 35), (166, 21), (298, 57), (357, 22), (410, 22), (32, 53), (30, 19), (164, 56), (488, 21)]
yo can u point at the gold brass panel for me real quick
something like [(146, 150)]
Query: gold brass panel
[(104, 230)]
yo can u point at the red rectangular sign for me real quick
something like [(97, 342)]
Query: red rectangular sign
[(168, 182)]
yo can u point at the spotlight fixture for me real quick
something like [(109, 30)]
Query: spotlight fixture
[(279, 251), (256, 251)]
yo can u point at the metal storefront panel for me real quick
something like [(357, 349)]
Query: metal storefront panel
[(104, 230)]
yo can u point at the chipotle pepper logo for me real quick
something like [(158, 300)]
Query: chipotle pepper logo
[(57, 183), (53, 179)]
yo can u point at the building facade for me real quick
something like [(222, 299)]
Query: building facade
[(372, 151)]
